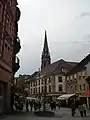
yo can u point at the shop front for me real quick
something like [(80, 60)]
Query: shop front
[(85, 98)]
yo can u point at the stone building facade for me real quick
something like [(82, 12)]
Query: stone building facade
[(76, 78), (7, 33), (50, 80)]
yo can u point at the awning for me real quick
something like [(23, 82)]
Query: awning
[(85, 94), (65, 96), (30, 98), (50, 95)]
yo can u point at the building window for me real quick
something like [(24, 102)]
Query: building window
[(63, 70), (42, 81), (80, 87), (79, 77), (49, 80), (60, 88), (31, 84), (49, 88), (45, 81), (59, 79), (42, 89), (39, 82), (83, 77), (36, 90), (1, 7), (89, 87), (39, 89), (36, 83), (71, 88), (45, 88), (31, 91), (84, 87)]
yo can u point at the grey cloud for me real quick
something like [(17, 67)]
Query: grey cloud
[(85, 14)]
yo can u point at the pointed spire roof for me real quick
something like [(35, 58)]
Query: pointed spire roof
[(45, 54), (45, 40), (45, 49)]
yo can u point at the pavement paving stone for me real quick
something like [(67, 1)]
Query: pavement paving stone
[(63, 114)]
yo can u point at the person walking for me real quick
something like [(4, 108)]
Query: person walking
[(85, 109), (27, 106), (59, 105), (73, 107), (31, 105), (81, 109)]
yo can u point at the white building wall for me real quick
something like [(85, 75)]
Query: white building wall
[(63, 83), (88, 69)]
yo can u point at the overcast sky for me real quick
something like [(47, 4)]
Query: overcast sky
[(67, 23)]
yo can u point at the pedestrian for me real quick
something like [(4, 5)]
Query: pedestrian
[(85, 109), (31, 105), (81, 109), (27, 106), (59, 105), (73, 107)]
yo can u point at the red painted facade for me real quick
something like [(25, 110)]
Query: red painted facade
[(7, 35), (7, 24)]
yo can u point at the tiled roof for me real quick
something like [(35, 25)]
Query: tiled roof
[(58, 65), (35, 74), (80, 66)]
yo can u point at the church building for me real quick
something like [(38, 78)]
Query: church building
[(50, 79)]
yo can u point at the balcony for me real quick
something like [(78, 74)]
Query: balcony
[(17, 46), (16, 65)]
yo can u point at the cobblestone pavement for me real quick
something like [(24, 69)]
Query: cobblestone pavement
[(63, 114)]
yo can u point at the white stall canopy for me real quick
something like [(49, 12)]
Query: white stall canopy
[(65, 96), (30, 98)]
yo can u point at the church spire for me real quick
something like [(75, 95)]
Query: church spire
[(45, 40), (46, 60)]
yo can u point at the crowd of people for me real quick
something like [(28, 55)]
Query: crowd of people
[(81, 107), (37, 105), (34, 105)]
